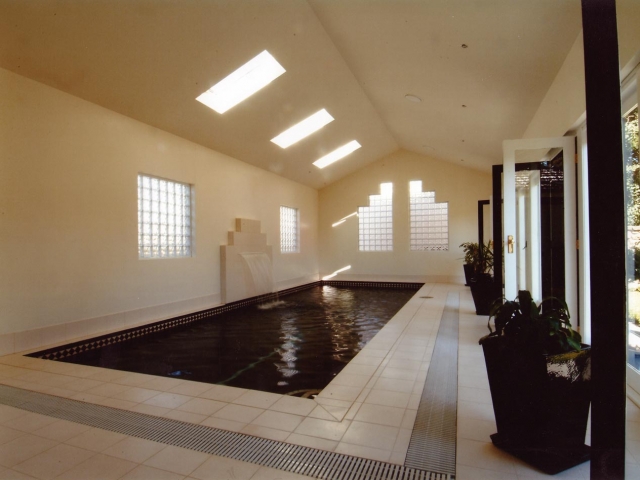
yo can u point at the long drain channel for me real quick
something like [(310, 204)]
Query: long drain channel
[(431, 454), (433, 440)]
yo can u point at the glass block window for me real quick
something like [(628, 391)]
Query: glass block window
[(164, 218), (376, 221), (289, 238), (429, 220)]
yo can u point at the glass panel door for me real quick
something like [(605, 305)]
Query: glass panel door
[(523, 238)]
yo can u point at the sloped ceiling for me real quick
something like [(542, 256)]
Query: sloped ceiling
[(150, 59)]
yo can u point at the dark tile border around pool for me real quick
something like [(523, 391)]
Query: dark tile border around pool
[(64, 351)]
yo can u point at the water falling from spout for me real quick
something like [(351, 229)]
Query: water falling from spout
[(260, 270)]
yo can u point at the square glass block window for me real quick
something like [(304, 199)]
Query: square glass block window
[(289, 237), (429, 221), (164, 218), (376, 222)]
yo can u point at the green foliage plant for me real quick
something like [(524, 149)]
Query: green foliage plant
[(471, 251), (472, 256), (632, 165), (545, 326)]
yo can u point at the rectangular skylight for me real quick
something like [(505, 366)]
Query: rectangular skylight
[(257, 73), (337, 154), (303, 129)]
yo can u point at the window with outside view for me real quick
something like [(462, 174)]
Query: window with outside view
[(632, 170)]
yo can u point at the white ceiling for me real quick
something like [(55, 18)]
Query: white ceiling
[(150, 59)]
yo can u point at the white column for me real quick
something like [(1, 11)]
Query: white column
[(521, 254), (535, 244), (570, 230), (509, 219), (583, 224)]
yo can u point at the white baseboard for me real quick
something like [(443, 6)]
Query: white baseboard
[(451, 279), (295, 282)]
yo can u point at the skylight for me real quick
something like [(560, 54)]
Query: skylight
[(337, 154), (257, 73), (303, 129)]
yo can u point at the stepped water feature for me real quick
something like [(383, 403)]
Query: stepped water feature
[(246, 263)]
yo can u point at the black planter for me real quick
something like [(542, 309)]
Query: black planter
[(468, 273), (483, 292), (541, 403)]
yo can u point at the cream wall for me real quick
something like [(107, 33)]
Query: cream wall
[(564, 103), (461, 187), (68, 218)]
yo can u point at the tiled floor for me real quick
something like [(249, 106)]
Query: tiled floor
[(368, 410)]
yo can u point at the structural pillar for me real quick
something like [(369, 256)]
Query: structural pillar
[(607, 238)]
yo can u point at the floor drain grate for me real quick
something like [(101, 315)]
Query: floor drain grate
[(433, 440), (283, 456)]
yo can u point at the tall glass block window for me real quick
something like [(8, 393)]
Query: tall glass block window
[(429, 220), (164, 218), (289, 237), (376, 221), (632, 168)]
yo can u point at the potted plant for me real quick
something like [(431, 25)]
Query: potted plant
[(470, 250), (478, 265), (539, 374)]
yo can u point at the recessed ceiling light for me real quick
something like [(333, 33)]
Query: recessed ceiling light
[(337, 154), (303, 129), (257, 73), (413, 98)]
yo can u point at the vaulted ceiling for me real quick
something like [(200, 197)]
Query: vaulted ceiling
[(480, 67)]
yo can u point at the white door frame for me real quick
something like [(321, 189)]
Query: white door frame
[(509, 147)]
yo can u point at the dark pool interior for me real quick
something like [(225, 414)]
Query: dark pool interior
[(294, 347)]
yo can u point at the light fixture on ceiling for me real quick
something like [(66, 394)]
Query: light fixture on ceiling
[(254, 75), (337, 154), (303, 129), (413, 98)]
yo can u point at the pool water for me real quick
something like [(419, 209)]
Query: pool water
[(295, 346)]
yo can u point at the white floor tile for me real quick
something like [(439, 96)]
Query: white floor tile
[(144, 472), (96, 439), (22, 448), (328, 430), (238, 413), (222, 468), (54, 462), (370, 435), (134, 449), (363, 452), (99, 467), (294, 405), (177, 460), (278, 420)]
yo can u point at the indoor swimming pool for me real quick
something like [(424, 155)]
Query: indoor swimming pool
[(294, 346)]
